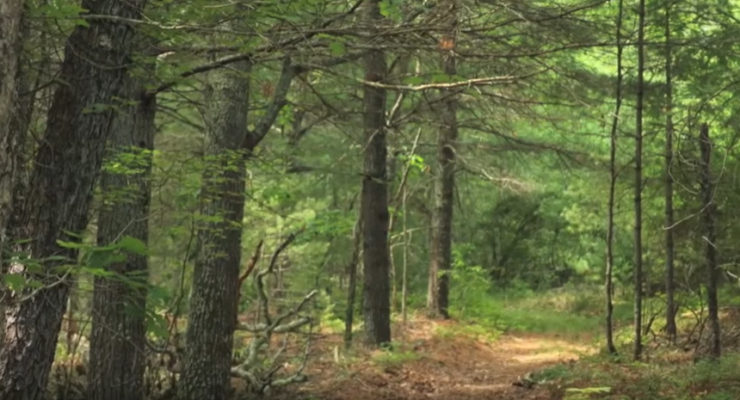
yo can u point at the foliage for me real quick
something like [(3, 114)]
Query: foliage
[(670, 377), (394, 355)]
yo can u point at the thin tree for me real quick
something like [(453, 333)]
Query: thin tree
[(612, 186), (710, 245), (670, 314), (118, 339), (638, 180), (374, 199), (440, 259), (352, 283), (66, 168)]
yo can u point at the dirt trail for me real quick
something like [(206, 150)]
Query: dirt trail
[(454, 368)]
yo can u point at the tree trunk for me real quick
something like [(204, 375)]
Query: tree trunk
[(374, 203), (60, 190), (11, 13), (670, 314), (638, 181), (709, 210), (444, 185), (214, 297), (117, 343), (213, 301), (609, 287), (352, 283)]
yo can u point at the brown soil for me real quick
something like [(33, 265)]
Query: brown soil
[(454, 368)]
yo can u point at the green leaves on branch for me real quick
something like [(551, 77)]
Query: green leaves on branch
[(97, 258)]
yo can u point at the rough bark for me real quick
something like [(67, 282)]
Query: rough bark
[(710, 245), (117, 343), (374, 203), (11, 13), (637, 353), (60, 189), (609, 287), (440, 259), (213, 301), (670, 314)]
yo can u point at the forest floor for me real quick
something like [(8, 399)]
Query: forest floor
[(438, 360)]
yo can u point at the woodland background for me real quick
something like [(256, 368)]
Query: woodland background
[(198, 197)]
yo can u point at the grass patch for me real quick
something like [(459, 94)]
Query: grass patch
[(472, 331), (660, 380), (394, 356)]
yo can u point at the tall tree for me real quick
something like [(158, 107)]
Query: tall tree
[(118, 339), (214, 297), (440, 259), (670, 311), (374, 201), (213, 301), (609, 287), (11, 13), (61, 184), (710, 245), (637, 354)]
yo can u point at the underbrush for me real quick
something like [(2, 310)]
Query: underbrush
[(670, 377), (570, 311), (395, 355)]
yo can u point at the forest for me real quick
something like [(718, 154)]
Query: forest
[(369, 199)]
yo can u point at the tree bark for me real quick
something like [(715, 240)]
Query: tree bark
[(11, 15), (670, 315), (352, 283), (637, 354), (118, 339), (214, 297), (444, 185), (709, 210), (60, 190), (374, 203), (609, 287)]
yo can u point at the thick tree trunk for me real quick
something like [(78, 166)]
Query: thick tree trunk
[(374, 204), (117, 343), (637, 354), (213, 301), (670, 314), (61, 187), (709, 210), (11, 12), (609, 287), (444, 185)]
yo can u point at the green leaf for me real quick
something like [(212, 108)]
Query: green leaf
[(337, 48), (413, 80), (101, 258), (133, 245), (70, 245), (390, 9), (15, 282), (100, 272)]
